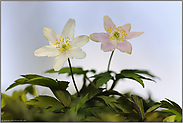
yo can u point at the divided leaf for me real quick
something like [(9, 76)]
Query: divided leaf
[(46, 102), (63, 96), (134, 75), (138, 104), (102, 78), (39, 80), (110, 101)]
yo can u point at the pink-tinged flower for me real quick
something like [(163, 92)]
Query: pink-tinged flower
[(63, 46), (115, 37)]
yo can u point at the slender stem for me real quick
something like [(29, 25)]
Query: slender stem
[(73, 77), (110, 60), (109, 64)]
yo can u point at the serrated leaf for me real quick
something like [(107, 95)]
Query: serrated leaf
[(102, 78), (63, 96), (46, 102)]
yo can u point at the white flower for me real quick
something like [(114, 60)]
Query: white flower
[(63, 46)]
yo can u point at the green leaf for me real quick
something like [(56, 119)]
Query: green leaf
[(30, 89), (134, 77), (75, 70), (102, 78), (138, 104), (31, 76), (153, 108), (82, 102), (109, 101), (24, 80), (63, 96), (12, 85), (170, 118), (21, 80), (133, 71), (63, 84), (175, 106), (46, 102), (43, 81)]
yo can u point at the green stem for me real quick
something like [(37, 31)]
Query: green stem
[(109, 64), (110, 60), (73, 77)]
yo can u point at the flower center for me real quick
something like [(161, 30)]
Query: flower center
[(116, 34), (63, 44)]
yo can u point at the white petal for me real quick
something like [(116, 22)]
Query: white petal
[(50, 35), (79, 41), (76, 53), (47, 50), (59, 61), (68, 30)]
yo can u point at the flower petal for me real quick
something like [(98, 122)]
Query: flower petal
[(108, 22), (47, 50), (76, 53), (50, 35), (125, 46), (131, 35), (99, 37), (107, 46), (126, 27), (68, 30), (59, 61), (79, 41)]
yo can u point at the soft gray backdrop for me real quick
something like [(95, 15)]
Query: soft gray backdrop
[(157, 50)]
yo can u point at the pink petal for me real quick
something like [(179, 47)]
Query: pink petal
[(127, 27), (99, 37), (131, 35), (107, 46), (125, 46), (108, 22)]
